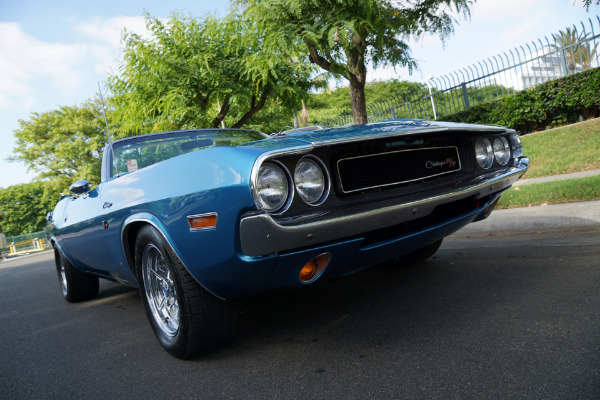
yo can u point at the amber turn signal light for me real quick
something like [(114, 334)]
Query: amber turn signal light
[(314, 268), (490, 208), (204, 221)]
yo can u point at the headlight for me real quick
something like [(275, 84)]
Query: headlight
[(501, 150), (310, 180), (272, 187), (515, 144), (483, 153)]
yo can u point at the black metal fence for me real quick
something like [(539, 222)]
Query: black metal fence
[(572, 50)]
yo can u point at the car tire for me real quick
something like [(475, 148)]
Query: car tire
[(419, 256), (186, 319), (75, 285)]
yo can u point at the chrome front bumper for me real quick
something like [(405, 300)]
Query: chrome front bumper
[(261, 235)]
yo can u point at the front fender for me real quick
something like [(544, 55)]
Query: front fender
[(129, 230)]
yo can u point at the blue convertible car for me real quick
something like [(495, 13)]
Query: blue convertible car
[(198, 218)]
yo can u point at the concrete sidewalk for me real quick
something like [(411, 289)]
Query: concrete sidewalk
[(557, 217)]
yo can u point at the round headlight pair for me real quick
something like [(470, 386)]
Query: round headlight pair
[(273, 187), (485, 152)]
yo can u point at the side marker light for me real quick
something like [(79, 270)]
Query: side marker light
[(203, 221)]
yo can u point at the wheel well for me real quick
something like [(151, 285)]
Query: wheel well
[(56, 250), (129, 236)]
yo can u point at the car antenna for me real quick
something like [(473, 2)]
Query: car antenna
[(107, 131)]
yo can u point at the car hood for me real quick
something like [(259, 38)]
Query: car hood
[(330, 136)]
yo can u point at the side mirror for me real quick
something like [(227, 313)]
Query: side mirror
[(80, 187), (49, 216)]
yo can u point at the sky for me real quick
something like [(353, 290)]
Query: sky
[(54, 53)]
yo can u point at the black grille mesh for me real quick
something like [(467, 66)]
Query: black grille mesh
[(398, 167)]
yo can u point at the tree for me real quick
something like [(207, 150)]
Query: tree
[(23, 208), (587, 54), (343, 36), (588, 3), (195, 73), (576, 48), (64, 144)]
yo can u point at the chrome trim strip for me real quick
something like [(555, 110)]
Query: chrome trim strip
[(261, 235), (400, 182)]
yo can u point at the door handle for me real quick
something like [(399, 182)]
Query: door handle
[(107, 205)]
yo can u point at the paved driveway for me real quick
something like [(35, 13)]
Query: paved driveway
[(488, 318)]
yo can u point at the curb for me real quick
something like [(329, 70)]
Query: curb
[(7, 258), (557, 217)]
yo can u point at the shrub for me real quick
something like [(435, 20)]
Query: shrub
[(558, 102)]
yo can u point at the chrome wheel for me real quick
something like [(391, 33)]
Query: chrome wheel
[(63, 278), (160, 290)]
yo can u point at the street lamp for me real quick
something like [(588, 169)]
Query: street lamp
[(430, 77)]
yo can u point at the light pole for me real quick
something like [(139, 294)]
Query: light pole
[(430, 77)]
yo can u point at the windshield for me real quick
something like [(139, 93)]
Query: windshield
[(141, 151)]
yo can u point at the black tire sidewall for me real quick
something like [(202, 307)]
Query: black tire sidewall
[(176, 344), (80, 286)]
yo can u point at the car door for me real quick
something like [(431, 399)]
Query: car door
[(81, 232)]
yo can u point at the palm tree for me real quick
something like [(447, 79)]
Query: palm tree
[(576, 47), (587, 53), (567, 41)]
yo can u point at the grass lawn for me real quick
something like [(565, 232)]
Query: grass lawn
[(572, 148), (569, 191)]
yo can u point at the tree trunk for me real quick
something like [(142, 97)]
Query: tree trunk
[(254, 108), (304, 114), (223, 117), (222, 113), (357, 101)]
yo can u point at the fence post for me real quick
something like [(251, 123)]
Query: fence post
[(463, 86), (563, 62), (432, 103)]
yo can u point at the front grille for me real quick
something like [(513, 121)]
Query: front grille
[(397, 167)]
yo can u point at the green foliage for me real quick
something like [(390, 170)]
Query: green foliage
[(196, 73), (330, 104), (559, 102), (374, 92), (559, 192), (571, 43), (63, 144), (588, 3), (342, 36), (23, 208)]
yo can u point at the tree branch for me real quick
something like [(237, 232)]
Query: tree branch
[(253, 109), (222, 113), (315, 58)]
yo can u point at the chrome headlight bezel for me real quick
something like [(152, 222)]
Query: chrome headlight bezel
[(516, 145), (273, 176), (317, 167), (501, 150), (484, 153)]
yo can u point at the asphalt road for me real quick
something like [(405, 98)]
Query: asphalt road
[(488, 318)]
